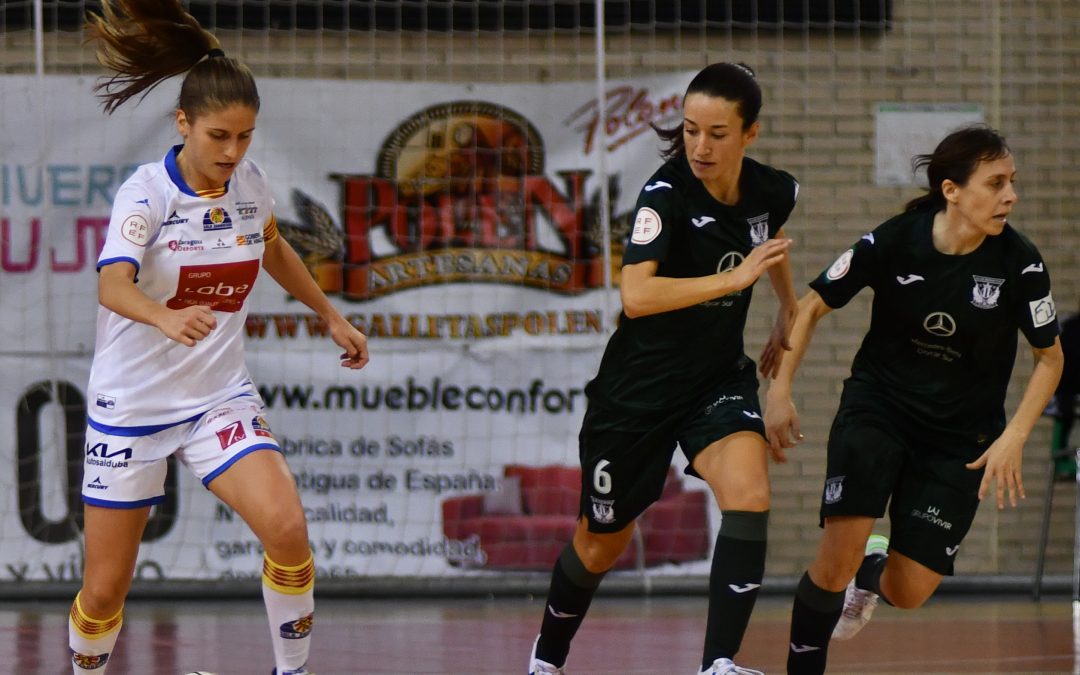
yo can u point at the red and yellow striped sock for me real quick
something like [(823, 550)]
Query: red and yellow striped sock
[(288, 592), (91, 640)]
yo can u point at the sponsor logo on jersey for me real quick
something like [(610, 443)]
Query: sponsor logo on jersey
[(647, 226), (174, 219), (89, 661), (869, 236), (986, 292), (759, 229), (702, 221), (184, 245), (724, 398), (218, 413), (216, 218), (932, 515), (261, 426), (951, 550), (834, 489), (246, 210), (300, 628), (658, 185), (603, 510), (107, 402), (1033, 267), (841, 266), (231, 435), (220, 244), (939, 324), (249, 239), (99, 454), (1042, 310), (136, 230), (222, 287), (909, 279), (96, 484)]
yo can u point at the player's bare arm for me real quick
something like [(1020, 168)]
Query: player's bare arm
[(644, 293), (117, 292), (285, 266), (1004, 458)]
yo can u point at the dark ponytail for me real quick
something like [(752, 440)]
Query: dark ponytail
[(145, 42), (955, 158), (732, 81)]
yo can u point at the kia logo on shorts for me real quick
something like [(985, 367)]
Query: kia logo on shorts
[(940, 324)]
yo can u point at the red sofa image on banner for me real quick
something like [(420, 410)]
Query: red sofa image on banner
[(526, 524)]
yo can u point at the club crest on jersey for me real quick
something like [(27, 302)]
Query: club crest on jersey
[(986, 292), (759, 229), (603, 510), (834, 488), (261, 426), (89, 661), (647, 226), (841, 266), (216, 218), (300, 628)]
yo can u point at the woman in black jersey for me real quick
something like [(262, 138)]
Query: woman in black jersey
[(921, 424), (674, 373)]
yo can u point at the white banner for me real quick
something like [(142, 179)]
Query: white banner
[(454, 224)]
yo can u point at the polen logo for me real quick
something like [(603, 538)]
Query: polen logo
[(459, 196)]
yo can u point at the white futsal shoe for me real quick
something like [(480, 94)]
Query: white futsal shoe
[(728, 667), (540, 667), (859, 604)]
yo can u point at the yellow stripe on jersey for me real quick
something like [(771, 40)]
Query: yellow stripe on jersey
[(92, 629), (212, 193), (289, 580), (270, 232)]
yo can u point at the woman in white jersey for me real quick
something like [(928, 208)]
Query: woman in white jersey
[(186, 240)]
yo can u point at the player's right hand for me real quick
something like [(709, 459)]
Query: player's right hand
[(782, 428), (761, 258), (188, 325)]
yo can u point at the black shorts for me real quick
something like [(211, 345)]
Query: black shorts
[(625, 457), (875, 460)]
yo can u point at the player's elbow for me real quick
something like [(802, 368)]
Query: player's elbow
[(634, 304)]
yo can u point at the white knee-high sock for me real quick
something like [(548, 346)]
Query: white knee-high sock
[(91, 640), (290, 606)]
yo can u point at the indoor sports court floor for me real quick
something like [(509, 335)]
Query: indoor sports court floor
[(624, 636)]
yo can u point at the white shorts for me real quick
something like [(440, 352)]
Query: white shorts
[(115, 477)]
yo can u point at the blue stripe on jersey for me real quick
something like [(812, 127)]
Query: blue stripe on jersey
[(178, 178), (137, 431), (123, 258), (110, 504), (247, 451)]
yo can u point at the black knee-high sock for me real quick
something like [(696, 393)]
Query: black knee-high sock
[(738, 566), (814, 615), (868, 577), (571, 593)]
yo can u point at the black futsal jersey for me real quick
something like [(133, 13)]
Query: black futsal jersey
[(661, 361), (942, 338)]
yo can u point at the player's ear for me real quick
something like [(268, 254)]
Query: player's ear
[(182, 125), (950, 190), (751, 134)]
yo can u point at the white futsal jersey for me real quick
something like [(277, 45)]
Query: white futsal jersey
[(189, 249)]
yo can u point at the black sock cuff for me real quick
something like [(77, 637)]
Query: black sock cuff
[(575, 570), (869, 575), (817, 598), (745, 525)]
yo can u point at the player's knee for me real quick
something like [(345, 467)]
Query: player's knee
[(289, 532), (598, 552), (748, 495), (833, 572), (905, 596), (102, 598)]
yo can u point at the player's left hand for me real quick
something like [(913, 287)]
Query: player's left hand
[(1004, 463), (773, 354), (352, 341)]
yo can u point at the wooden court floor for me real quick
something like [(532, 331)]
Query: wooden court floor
[(623, 636)]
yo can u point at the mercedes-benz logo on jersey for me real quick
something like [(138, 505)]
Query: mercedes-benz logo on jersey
[(729, 261), (940, 324)]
